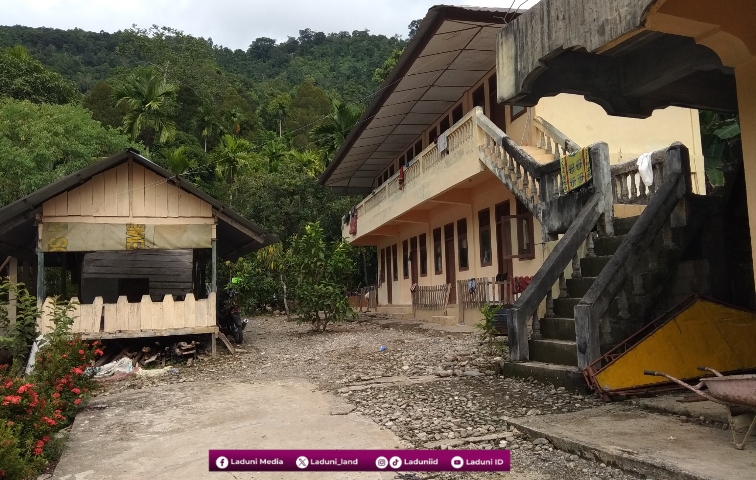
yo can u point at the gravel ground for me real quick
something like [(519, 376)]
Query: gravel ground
[(432, 389)]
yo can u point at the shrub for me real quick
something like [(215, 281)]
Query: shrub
[(13, 463)]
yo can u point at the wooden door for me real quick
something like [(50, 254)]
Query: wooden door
[(503, 245), (413, 260), (389, 276), (451, 268)]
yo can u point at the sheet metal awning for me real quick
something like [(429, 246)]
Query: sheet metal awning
[(451, 51), (236, 235)]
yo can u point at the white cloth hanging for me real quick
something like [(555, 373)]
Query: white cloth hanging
[(645, 169)]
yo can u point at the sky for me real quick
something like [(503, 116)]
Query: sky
[(231, 23)]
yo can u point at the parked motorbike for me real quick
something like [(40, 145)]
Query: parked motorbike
[(229, 317)]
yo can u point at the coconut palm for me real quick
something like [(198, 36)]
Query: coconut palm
[(145, 94), (208, 122), (330, 134)]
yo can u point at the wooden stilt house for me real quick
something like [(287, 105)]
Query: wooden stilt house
[(136, 245)]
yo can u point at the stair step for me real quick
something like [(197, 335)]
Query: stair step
[(607, 245), (563, 307), (623, 225), (592, 266), (558, 328), (445, 319), (578, 287), (560, 352), (557, 375)]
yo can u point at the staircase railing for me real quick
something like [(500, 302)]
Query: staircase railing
[(659, 216), (552, 140), (595, 212), (537, 185), (627, 186)]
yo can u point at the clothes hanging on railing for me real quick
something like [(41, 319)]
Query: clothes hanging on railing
[(575, 169), (645, 169), (471, 286), (442, 143), (519, 284), (353, 221), (401, 177)]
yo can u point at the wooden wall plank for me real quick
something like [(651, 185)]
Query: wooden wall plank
[(86, 312), (168, 320), (48, 208), (157, 316), (138, 193), (135, 316), (179, 312), (145, 313), (75, 313), (161, 196), (111, 190), (206, 210), (97, 310), (173, 201), (211, 318), (122, 189), (200, 313), (190, 311), (111, 320), (74, 202), (98, 195), (85, 196), (122, 313), (45, 319), (61, 205)]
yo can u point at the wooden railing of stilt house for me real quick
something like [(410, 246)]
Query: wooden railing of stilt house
[(144, 318)]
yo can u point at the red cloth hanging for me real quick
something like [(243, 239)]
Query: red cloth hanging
[(353, 223)]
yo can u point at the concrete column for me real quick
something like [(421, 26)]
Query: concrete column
[(40, 278), (745, 77)]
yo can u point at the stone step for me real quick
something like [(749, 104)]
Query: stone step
[(592, 266), (560, 352), (445, 319), (623, 225), (563, 307), (578, 287), (558, 328), (607, 245), (557, 375)]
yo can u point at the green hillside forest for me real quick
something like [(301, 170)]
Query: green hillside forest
[(254, 128)]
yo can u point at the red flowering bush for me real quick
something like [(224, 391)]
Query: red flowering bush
[(32, 409)]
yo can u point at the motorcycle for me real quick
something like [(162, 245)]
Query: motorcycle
[(229, 317)]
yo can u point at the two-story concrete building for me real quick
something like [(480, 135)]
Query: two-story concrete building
[(436, 209)]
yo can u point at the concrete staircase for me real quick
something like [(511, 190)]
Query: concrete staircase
[(553, 356)]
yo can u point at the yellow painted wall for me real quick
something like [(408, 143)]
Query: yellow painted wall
[(585, 123)]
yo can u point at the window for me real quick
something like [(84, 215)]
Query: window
[(423, 255), (394, 263), (432, 136), (405, 259), (525, 247), (462, 244), (418, 147), (516, 111), (408, 157), (437, 253), (484, 228), (390, 172), (479, 97), (444, 125), (457, 114)]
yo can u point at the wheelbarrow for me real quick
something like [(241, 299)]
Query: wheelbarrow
[(736, 392)]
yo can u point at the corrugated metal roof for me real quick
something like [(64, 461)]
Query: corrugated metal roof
[(18, 234), (452, 50)]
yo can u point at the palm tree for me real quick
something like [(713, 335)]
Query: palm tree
[(310, 160), (233, 155), (330, 134), (145, 95), (207, 122), (178, 162)]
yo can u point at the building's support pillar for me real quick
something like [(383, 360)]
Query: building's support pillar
[(40, 278), (13, 278), (745, 77), (214, 265)]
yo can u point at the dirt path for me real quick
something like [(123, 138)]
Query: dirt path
[(291, 388)]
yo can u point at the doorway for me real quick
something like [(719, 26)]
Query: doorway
[(503, 246), (498, 111), (451, 268)]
